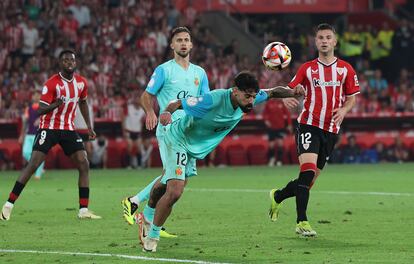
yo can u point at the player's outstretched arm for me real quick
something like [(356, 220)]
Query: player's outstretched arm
[(44, 108), (285, 92), (165, 117), (147, 101)]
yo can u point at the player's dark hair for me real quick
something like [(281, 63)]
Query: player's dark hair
[(67, 51), (325, 26), (246, 81), (177, 30)]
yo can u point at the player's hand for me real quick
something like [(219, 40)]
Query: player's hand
[(339, 115), (20, 140), (291, 103), (165, 118), (92, 134), (58, 101), (298, 91), (151, 121)]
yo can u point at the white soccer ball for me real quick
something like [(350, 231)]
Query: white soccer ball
[(276, 56)]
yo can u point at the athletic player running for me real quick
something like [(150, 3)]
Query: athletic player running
[(331, 85), (60, 96), (174, 79), (207, 120)]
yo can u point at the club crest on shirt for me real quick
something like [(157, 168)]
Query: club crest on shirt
[(340, 70), (196, 81), (178, 171), (80, 85), (305, 146)]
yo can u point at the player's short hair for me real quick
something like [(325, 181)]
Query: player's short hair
[(246, 81), (67, 51), (325, 26), (177, 30)]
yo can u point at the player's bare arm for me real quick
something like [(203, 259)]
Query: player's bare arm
[(44, 108), (339, 113), (165, 117), (285, 92), (151, 120), (83, 107)]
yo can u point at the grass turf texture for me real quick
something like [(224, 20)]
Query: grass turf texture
[(222, 217)]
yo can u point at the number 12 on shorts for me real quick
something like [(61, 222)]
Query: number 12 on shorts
[(181, 158), (305, 139)]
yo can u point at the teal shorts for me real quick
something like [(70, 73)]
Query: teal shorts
[(177, 164), (28, 146)]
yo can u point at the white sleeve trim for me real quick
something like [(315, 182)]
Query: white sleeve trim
[(43, 102)]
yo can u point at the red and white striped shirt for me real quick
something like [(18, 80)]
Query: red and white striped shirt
[(70, 91), (326, 87)]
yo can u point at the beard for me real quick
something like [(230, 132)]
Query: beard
[(182, 54), (246, 108)]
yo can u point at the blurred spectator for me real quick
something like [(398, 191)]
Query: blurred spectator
[(382, 155), (81, 13), (398, 152), (351, 151), (146, 151), (378, 83), (30, 40), (278, 122), (132, 129), (99, 152)]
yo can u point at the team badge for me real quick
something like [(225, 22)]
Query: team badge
[(41, 141), (196, 82), (306, 146), (178, 171), (340, 70)]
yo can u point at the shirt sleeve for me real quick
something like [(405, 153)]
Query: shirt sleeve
[(156, 82), (197, 106), (298, 78), (351, 82), (261, 97), (48, 93), (84, 93), (204, 84)]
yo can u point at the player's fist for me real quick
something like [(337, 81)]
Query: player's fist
[(290, 102), (151, 120), (299, 91), (165, 118)]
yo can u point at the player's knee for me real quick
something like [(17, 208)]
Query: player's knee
[(307, 173)]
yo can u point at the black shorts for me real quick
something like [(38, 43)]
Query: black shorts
[(84, 136), (134, 135), (70, 141), (273, 134), (311, 139)]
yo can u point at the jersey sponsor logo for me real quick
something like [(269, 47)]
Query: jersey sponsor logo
[(220, 129), (340, 70), (192, 101), (68, 100), (174, 81), (44, 90), (356, 80), (183, 95), (196, 81), (317, 82)]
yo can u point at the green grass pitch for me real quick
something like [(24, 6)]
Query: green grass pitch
[(362, 213)]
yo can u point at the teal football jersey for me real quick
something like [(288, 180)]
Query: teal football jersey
[(170, 81), (207, 120)]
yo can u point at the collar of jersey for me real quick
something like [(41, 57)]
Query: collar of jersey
[(328, 65), (61, 76)]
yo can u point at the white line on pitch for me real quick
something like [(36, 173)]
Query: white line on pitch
[(108, 255), (321, 192)]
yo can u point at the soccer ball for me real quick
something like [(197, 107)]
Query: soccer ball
[(276, 56)]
